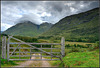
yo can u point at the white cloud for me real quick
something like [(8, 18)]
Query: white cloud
[(45, 14), (30, 17), (73, 10), (81, 5)]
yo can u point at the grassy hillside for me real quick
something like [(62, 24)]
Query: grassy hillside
[(84, 26), (27, 29)]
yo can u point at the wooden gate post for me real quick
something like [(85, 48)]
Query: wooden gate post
[(62, 47), (4, 47), (9, 37)]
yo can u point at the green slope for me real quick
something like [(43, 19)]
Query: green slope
[(27, 29), (84, 25)]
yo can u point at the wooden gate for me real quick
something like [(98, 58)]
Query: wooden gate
[(20, 50)]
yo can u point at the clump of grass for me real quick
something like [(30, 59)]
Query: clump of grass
[(57, 63), (75, 49), (5, 62), (96, 45), (88, 45)]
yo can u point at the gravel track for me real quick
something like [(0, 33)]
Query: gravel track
[(34, 63)]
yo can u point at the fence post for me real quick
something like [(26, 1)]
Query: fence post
[(9, 37), (4, 47), (62, 47)]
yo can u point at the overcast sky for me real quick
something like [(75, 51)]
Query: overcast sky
[(12, 12)]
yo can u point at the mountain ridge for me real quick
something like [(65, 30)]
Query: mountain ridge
[(27, 28)]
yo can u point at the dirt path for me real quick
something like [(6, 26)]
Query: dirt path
[(45, 63), (34, 63)]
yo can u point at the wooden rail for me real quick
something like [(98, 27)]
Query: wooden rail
[(31, 48), (30, 55), (35, 52), (34, 59), (36, 43)]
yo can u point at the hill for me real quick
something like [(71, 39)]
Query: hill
[(1, 31), (28, 28), (83, 26)]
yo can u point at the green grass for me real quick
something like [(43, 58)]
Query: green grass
[(5, 63), (81, 59)]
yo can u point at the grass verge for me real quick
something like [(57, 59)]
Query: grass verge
[(5, 63), (80, 59)]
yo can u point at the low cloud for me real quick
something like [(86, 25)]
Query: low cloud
[(30, 17)]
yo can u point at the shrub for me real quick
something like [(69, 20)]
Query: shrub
[(67, 45), (27, 39), (78, 45), (79, 40), (75, 45), (42, 41), (81, 46), (88, 45), (83, 50), (74, 49), (96, 45), (55, 41)]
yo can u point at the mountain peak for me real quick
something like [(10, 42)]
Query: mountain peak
[(26, 22), (45, 23)]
